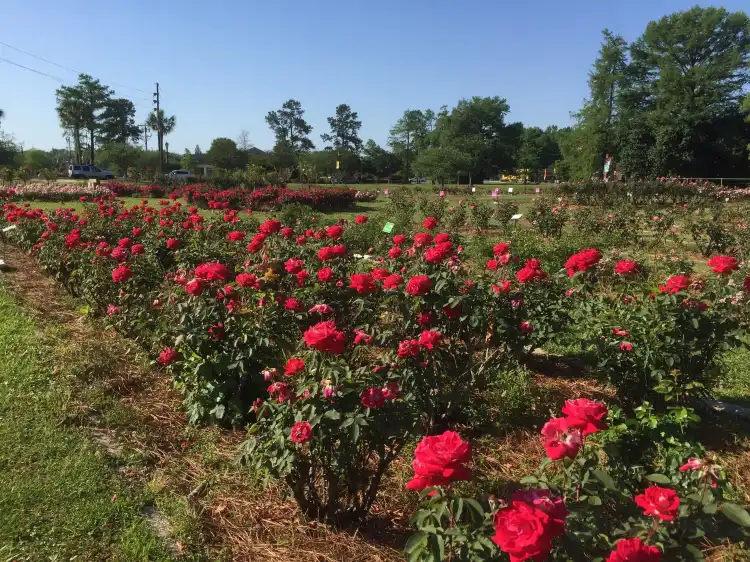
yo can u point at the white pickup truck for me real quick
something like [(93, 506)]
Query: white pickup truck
[(90, 172)]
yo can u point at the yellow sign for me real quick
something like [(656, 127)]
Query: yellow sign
[(337, 164)]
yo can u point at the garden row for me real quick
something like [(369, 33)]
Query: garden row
[(342, 345)]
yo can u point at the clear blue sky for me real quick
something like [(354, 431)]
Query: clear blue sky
[(222, 65)]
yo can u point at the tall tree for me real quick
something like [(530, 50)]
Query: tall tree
[(595, 132), (118, 122), (290, 127), (160, 123), (345, 127), (243, 141), (378, 161), (95, 96), (684, 90), (72, 114), (442, 164), (405, 137), (223, 153)]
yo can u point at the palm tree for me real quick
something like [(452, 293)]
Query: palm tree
[(161, 124)]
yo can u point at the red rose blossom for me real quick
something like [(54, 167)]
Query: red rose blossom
[(121, 274), (554, 507), (361, 219), (294, 366), (586, 415), (399, 239), (168, 356), (392, 281), (430, 223), (137, 249), (583, 260), (173, 243), (422, 239), (212, 271), (195, 287), (440, 460), (561, 439), (372, 398), (324, 336), (363, 283), (430, 338), (439, 253), (246, 280), (626, 267), (236, 236), (526, 327), (395, 252), (270, 227), (293, 304), (523, 532), (325, 274), (334, 231), (501, 248), (723, 265), (419, 285), (301, 432), (675, 284), (531, 271), (408, 348), (661, 503), (634, 550)]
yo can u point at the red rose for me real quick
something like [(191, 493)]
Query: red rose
[(321, 309), (419, 285), (136, 231), (723, 265), (425, 318), (430, 338), (399, 239), (430, 223), (294, 366), (168, 356), (361, 219), (137, 249), (361, 336), (625, 346), (236, 236), (440, 460), (173, 243), (112, 310), (325, 274), (246, 280), (334, 232), (531, 271), (501, 248), (523, 532), (408, 348), (121, 274), (324, 336), (363, 283), (586, 415), (439, 253), (393, 281), (212, 271), (373, 398), (380, 274), (270, 227), (543, 500), (675, 284), (504, 287), (626, 267), (287, 232), (293, 304), (194, 287), (72, 240), (452, 312), (441, 238), (662, 503), (326, 253), (119, 253), (633, 550), (582, 261), (301, 432), (394, 252), (125, 243), (492, 265), (526, 327), (561, 439), (301, 240), (422, 239), (293, 265)]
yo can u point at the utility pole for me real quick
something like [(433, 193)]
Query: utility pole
[(145, 136), (159, 131)]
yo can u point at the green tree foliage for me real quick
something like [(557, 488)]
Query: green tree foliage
[(72, 115), (223, 153), (290, 127), (188, 161), (378, 162), (36, 159), (407, 137), (538, 150), (476, 127), (119, 156), (117, 122), (344, 133), (95, 96), (442, 164)]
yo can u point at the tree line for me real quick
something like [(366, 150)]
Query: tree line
[(669, 103)]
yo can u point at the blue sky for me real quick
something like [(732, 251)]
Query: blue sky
[(222, 65)]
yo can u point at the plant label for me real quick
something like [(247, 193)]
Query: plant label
[(473, 189), (494, 192), (516, 217), (385, 192), (442, 194), (538, 190), (510, 190), (9, 228), (388, 227)]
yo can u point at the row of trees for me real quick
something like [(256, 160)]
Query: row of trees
[(90, 113), (670, 103)]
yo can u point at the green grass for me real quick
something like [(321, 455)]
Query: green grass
[(61, 497), (735, 387)]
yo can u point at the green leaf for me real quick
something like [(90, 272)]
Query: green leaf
[(710, 508), (418, 539), (604, 478), (595, 500), (529, 480), (658, 478), (695, 552), (736, 513), (437, 546)]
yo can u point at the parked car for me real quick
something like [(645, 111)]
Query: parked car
[(90, 172), (417, 180), (181, 175)]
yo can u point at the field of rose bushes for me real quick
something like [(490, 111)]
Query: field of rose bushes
[(341, 346)]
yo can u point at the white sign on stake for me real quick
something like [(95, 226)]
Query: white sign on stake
[(516, 217), (9, 228), (473, 189), (510, 190)]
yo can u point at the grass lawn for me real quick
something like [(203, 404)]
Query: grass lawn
[(61, 497)]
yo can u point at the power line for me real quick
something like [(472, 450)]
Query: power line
[(62, 81), (66, 68)]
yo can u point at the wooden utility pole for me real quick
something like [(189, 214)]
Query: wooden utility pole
[(159, 134)]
